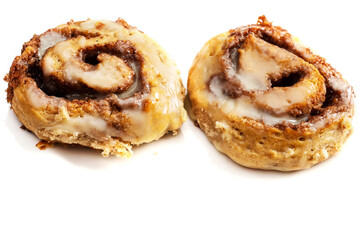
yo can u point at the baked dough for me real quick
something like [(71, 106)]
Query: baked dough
[(100, 84), (268, 102)]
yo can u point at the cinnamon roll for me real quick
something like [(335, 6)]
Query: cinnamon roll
[(101, 84), (268, 102)]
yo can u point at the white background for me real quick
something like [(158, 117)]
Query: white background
[(178, 187)]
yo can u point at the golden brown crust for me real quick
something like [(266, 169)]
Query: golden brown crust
[(293, 111), (100, 84)]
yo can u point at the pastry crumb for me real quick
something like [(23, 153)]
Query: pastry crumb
[(42, 145)]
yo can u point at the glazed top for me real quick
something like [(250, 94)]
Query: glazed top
[(261, 72), (104, 75)]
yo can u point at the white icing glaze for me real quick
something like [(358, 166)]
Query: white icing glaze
[(135, 86), (280, 98), (111, 72), (63, 51), (38, 100), (255, 68), (48, 40), (216, 87), (47, 66), (244, 107), (92, 126)]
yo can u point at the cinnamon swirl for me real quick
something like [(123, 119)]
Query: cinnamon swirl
[(100, 84), (268, 102)]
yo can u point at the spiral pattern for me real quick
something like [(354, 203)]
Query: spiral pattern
[(96, 83), (258, 79)]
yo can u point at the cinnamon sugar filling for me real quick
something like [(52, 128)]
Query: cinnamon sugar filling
[(55, 77), (264, 69)]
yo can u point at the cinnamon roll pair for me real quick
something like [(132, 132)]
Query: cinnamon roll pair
[(261, 97)]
